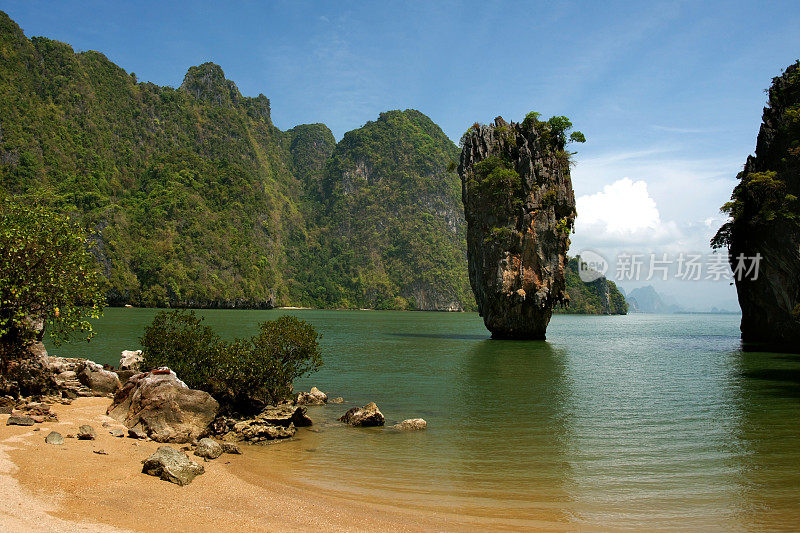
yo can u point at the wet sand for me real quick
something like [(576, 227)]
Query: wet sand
[(69, 488)]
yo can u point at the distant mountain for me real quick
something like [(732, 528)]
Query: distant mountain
[(647, 300)]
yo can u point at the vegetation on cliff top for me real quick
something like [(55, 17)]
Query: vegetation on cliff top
[(768, 195)]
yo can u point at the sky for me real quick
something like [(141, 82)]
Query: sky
[(668, 94)]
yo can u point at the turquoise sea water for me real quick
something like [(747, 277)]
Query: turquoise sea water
[(638, 421)]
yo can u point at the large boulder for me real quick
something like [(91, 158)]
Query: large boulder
[(172, 465), (164, 407), (55, 438), (366, 416), (99, 380), (315, 397), (86, 432), (131, 360)]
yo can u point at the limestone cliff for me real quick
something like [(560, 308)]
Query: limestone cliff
[(520, 208), (765, 220)]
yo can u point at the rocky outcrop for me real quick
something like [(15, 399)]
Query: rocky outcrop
[(172, 465), (314, 397), (97, 379), (131, 360), (367, 416), (65, 373), (765, 222), (25, 371), (520, 208), (164, 407), (273, 423), (20, 420)]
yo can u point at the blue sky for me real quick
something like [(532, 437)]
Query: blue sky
[(668, 93)]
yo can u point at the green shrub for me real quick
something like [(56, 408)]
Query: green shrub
[(243, 375)]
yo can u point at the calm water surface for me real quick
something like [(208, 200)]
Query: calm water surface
[(637, 421)]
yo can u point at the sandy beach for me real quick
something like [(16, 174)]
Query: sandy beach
[(70, 488)]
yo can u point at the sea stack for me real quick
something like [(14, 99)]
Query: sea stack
[(520, 209), (763, 234)]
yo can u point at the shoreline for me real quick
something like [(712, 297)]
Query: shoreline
[(68, 487)]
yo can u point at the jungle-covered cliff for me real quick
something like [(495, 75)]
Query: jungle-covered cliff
[(194, 197), (765, 222), (598, 297)]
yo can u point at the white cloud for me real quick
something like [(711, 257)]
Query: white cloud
[(623, 214)]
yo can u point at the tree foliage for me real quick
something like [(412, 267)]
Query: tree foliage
[(554, 130), (47, 272), (243, 374)]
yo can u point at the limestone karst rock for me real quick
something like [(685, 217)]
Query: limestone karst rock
[(520, 208), (765, 222), (163, 407)]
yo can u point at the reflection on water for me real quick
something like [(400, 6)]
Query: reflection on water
[(637, 421), (768, 391), (511, 401)]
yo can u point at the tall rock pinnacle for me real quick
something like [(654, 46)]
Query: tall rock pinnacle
[(520, 209)]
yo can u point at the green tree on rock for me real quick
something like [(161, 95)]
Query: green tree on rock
[(48, 276)]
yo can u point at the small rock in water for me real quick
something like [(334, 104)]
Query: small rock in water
[(208, 448), (338, 399), (229, 447), (17, 420), (116, 432), (315, 397), (367, 416), (172, 465), (55, 438), (411, 424), (86, 432)]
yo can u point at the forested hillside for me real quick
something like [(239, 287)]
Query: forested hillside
[(196, 199)]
